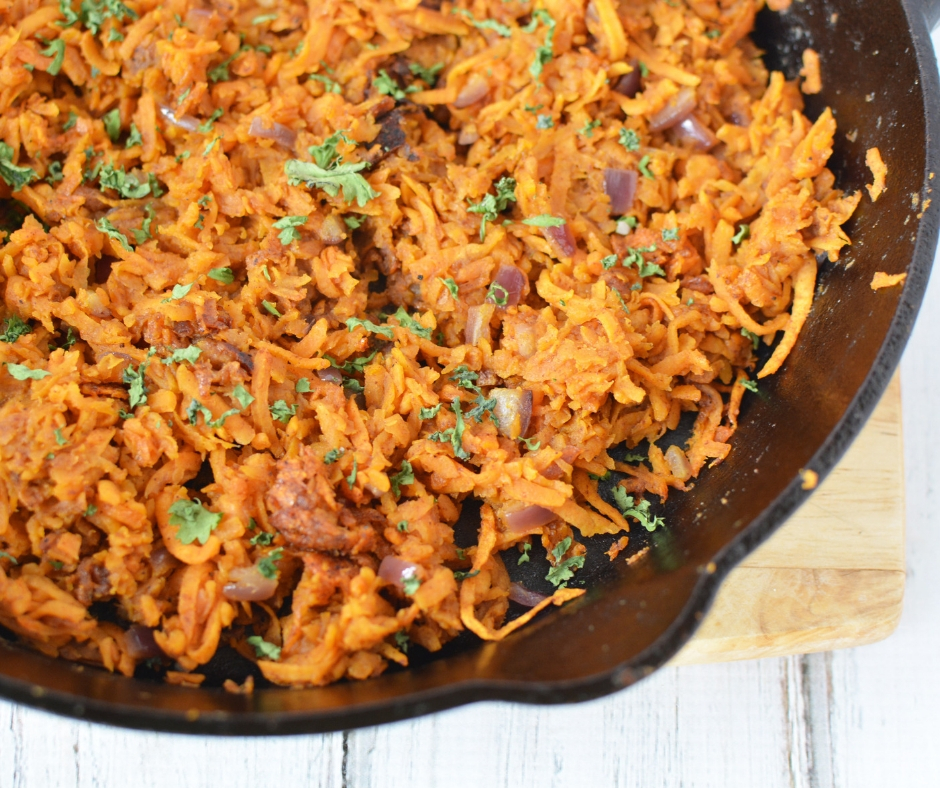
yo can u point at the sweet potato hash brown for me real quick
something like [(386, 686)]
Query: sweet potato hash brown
[(287, 284)]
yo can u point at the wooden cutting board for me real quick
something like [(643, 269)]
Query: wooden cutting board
[(833, 575)]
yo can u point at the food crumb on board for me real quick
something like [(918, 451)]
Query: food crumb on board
[(617, 547), (812, 79), (881, 280), (879, 171), (240, 689), (810, 479), (637, 556)]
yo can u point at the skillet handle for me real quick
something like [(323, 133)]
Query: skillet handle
[(931, 11)]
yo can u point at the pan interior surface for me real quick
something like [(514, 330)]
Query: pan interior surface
[(877, 67)]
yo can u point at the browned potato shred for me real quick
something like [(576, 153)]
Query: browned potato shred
[(283, 263)]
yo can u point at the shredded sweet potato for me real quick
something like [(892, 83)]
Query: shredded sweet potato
[(285, 285), (881, 280), (879, 172), (812, 78)]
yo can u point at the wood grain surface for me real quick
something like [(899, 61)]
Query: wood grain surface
[(833, 575)]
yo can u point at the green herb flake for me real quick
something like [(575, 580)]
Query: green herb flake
[(644, 71), (70, 121), (263, 18), (545, 52), (90, 511), (491, 205), (288, 227), (281, 412), (609, 262), (115, 35), (629, 139), (325, 154), (644, 166), (206, 126), (403, 526), (544, 220), (750, 385), (55, 50), (179, 292), (524, 558), (220, 72), (544, 122), (429, 74), (241, 395), (302, 386), (267, 566), (563, 571), (406, 321), (429, 413), (410, 581), (15, 176), (181, 355), (112, 124), (530, 444), (10, 558), (14, 328), (134, 137), (339, 176), (105, 226), (454, 435), (640, 511), (263, 649), (388, 86), (671, 234), (263, 538), (485, 24), (482, 407), (743, 233), (404, 476), (59, 438), (193, 521), (497, 294), (329, 85), (458, 575), (353, 222), (385, 331), (755, 338), (126, 185), (451, 286), (271, 308), (223, 275), (333, 455), (402, 641), (351, 479), (588, 128)]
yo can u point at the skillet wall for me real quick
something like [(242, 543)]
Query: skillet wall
[(635, 620)]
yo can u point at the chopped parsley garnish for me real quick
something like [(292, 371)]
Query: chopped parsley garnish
[(544, 220), (134, 380), (180, 355), (353, 366), (193, 521), (491, 205), (428, 75), (92, 13), (544, 53), (544, 122), (563, 571), (644, 71), (482, 407), (353, 222), (288, 227), (485, 24), (609, 262), (143, 234), (743, 233), (635, 257), (17, 177), (351, 479), (524, 558), (465, 378), (339, 176), (22, 372), (454, 435), (410, 581), (755, 338), (404, 476), (302, 386), (267, 565), (639, 511), (10, 558), (671, 234), (329, 85), (55, 50), (263, 649), (325, 154), (206, 127), (430, 413), (112, 232), (644, 166), (588, 129), (126, 185), (224, 275), (210, 146), (220, 72), (59, 438), (353, 385), (70, 121), (112, 124), (134, 137), (262, 538), (403, 526), (269, 306), (459, 575), (750, 385), (263, 18), (385, 331), (388, 86), (14, 328), (451, 286), (241, 395), (406, 321), (530, 444), (179, 292), (281, 412), (90, 511), (497, 294), (629, 139), (333, 455)]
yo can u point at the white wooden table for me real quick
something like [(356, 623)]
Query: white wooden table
[(859, 718)]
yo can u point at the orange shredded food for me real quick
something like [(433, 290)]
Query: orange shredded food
[(297, 281), (812, 78), (881, 280), (879, 172)]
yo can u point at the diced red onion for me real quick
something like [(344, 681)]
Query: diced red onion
[(524, 596), (140, 643), (247, 584), (620, 187), (187, 122), (513, 410), (478, 323), (396, 570), (526, 519), (629, 84), (677, 109), (693, 131), (678, 463), (331, 375), (475, 89), (513, 281), (161, 560), (563, 238), (277, 132)]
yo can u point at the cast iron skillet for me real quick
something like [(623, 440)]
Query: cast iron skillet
[(880, 77)]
